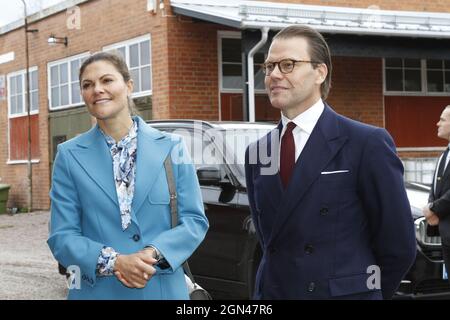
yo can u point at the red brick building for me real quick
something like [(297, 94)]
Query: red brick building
[(190, 59)]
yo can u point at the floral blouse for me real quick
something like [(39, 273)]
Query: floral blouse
[(124, 167)]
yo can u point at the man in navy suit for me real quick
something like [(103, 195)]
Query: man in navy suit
[(437, 212), (333, 218)]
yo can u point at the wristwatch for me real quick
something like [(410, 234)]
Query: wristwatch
[(161, 262)]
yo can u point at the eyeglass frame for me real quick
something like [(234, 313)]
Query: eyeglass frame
[(277, 63)]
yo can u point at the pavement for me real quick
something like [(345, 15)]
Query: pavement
[(28, 270)]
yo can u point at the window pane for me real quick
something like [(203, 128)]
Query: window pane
[(412, 63), (135, 77), (434, 64), (13, 105), (121, 52), (12, 85), (55, 97), (145, 77), (74, 68), (447, 64), (231, 50), (393, 62), (54, 78), (435, 81), (63, 73), (394, 80), (34, 101), (19, 84), (447, 81), (259, 78), (145, 52), (64, 95), (134, 55), (232, 76), (413, 80), (33, 80), (75, 92), (258, 58), (20, 108)]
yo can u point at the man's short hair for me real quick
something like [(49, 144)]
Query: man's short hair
[(317, 49)]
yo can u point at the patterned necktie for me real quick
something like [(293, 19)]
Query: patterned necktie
[(287, 154)]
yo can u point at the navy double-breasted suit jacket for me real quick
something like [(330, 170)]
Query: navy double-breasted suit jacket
[(343, 215)]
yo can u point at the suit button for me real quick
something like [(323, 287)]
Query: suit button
[(324, 211), (272, 250), (136, 237), (309, 249), (311, 287)]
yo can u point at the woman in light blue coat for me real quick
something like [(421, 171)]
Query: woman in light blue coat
[(110, 215)]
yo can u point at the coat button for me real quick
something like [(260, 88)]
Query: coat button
[(309, 249), (311, 287), (272, 250), (136, 237), (324, 211)]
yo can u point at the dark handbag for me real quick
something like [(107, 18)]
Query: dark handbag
[(196, 292)]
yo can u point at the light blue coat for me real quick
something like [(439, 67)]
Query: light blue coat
[(85, 213)]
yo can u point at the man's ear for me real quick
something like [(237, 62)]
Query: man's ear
[(322, 71)]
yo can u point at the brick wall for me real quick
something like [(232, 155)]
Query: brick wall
[(356, 89), (118, 21)]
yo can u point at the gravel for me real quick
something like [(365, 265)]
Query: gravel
[(28, 270)]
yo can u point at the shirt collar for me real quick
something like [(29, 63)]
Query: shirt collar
[(306, 120)]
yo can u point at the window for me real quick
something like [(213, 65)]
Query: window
[(137, 54), (438, 75), (18, 124), (17, 94), (403, 75), (63, 84), (231, 64), (417, 76)]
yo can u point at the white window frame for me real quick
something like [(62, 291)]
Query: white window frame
[(127, 44), (424, 92), (228, 35), (51, 64), (24, 93)]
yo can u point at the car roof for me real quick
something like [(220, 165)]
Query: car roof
[(220, 125)]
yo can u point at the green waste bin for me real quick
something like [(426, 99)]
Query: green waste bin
[(4, 189)]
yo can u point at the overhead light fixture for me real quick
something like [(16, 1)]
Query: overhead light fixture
[(53, 40)]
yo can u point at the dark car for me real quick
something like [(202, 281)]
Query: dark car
[(226, 261)]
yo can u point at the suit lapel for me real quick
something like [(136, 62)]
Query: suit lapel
[(322, 146), (95, 159), (153, 148), (272, 186)]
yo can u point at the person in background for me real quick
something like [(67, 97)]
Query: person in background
[(437, 212), (110, 215)]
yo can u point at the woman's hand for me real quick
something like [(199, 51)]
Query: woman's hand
[(136, 269)]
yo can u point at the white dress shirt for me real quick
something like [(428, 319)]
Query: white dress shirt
[(305, 123)]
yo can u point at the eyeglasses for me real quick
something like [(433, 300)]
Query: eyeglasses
[(285, 65)]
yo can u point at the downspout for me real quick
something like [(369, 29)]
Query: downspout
[(251, 76)]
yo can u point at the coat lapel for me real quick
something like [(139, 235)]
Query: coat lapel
[(153, 148), (95, 159), (323, 144)]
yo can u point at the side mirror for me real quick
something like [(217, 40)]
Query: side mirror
[(208, 175)]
